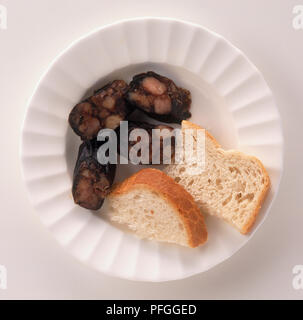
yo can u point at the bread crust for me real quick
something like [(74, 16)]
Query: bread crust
[(246, 228), (189, 125), (163, 185)]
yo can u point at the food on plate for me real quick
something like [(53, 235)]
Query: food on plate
[(159, 97), (155, 207), (164, 206), (232, 186), (91, 180), (104, 109), (163, 151)]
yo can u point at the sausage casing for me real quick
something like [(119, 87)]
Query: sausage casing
[(91, 180), (104, 109)]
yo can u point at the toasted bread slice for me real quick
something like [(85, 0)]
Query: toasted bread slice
[(156, 207), (232, 185)]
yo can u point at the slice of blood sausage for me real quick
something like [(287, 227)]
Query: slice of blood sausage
[(166, 149), (104, 109), (91, 181), (159, 97)]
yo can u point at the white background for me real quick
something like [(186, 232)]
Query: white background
[(37, 32)]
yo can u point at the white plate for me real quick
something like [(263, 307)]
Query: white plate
[(230, 98)]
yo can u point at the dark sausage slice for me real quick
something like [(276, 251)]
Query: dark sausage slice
[(164, 140), (104, 109), (159, 97), (91, 181)]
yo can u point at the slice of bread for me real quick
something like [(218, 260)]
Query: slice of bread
[(156, 207), (232, 186)]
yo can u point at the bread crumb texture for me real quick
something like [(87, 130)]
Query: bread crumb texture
[(232, 186), (155, 207)]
